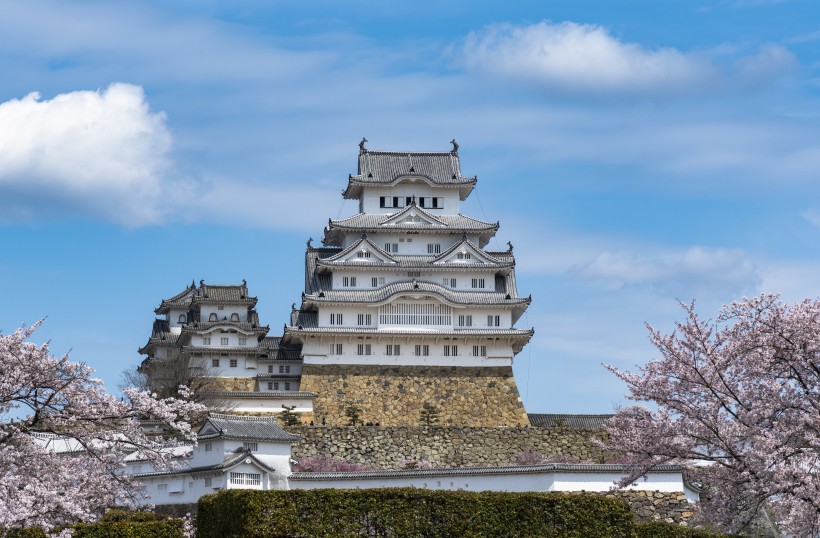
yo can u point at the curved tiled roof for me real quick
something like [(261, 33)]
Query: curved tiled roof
[(581, 422), (415, 287), (258, 395), (207, 293), (474, 471), (451, 223), (405, 330), (244, 326), (245, 427), (160, 335)]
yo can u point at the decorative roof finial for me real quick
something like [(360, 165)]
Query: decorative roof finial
[(463, 235), (455, 146), (244, 283), (362, 149), (509, 244), (310, 239), (201, 283), (193, 284)]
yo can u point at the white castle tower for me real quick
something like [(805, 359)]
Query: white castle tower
[(403, 309)]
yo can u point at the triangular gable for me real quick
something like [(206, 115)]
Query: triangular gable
[(208, 429), (465, 252), (363, 251), (412, 215)]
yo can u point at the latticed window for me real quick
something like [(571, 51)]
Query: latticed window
[(364, 349), (479, 351), (393, 349), (422, 350), (451, 350), (365, 319), (415, 314), (465, 320), (253, 447), (246, 479)]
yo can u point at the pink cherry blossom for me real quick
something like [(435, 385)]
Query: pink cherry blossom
[(63, 437), (737, 400)]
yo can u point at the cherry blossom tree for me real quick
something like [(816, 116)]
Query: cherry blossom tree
[(736, 399), (63, 438)]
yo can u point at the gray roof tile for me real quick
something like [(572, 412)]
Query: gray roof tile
[(581, 422), (244, 427)]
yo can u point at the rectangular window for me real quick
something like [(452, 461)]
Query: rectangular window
[(335, 319), (208, 482), (349, 281), (478, 282), (450, 351), (382, 201), (421, 201), (162, 488), (435, 202), (253, 447), (422, 350), (209, 447), (287, 386), (270, 385), (270, 368), (246, 479), (377, 281), (233, 363), (479, 351), (465, 320), (414, 274), (275, 385), (391, 247), (243, 341), (395, 201), (365, 319), (393, 349), (363, 349), (215, 363), (433, 248), (335, 349), (493, 321), (449, 282), (464, 256), (223, 341), (206, 341), (363, 254), (284, 368)]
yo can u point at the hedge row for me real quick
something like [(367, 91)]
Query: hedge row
[(409, 512), (657, 529), (115, 524)]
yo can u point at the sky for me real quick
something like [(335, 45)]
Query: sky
[(638, 154)]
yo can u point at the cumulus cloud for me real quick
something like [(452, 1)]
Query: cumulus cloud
[(100, 153), (695, 270), (582, 58)]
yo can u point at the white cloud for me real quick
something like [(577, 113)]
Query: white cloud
[(695, 271), (583, 58), (102, 153)]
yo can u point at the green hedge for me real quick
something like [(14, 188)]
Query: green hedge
[(409, 512), (169, 528), (657, 529)]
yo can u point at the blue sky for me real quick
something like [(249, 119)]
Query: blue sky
[(636, 153)]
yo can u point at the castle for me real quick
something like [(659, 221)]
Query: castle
[(403, 311), (406, 326)]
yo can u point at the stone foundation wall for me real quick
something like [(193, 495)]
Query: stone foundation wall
[(383, 447), (668, 506), (395, 396)]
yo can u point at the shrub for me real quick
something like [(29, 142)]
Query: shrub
[(658, 529), (404, 512)]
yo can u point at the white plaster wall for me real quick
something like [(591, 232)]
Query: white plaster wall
[(449, 197), (513, 482), (207, 310), (270, 405), (265, 368), (364, 277)]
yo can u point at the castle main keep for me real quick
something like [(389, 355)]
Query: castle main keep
[(404, 316)]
